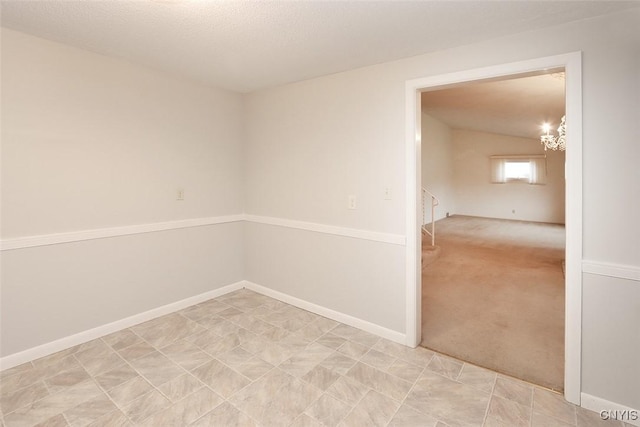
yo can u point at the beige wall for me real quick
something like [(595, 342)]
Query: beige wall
[(437, 165), (91, 142), (307, 146), (310, 144), (476, 195)]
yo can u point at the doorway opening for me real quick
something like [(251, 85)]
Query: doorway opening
[(571, 63), (492, 280)]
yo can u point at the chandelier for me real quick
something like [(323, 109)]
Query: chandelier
[(554, 142)]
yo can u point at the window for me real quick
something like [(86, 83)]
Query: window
[(531, 169)]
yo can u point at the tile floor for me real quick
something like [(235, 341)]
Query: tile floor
[(248, 360)]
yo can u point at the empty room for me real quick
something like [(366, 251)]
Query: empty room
[(211, 213), (492, 267)]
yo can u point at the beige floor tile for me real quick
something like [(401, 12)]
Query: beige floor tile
[(219, 326), (101, 363), (145, 406), (157, 368), (356, 335), (136, 351), (275, 334), (222, 345), (112, 419), (378, 359), (418, 356), (338, 363), (121, 339), (405, 370), (185, 411), (22, 397), (374, 409), (408, 417), (328, 410), (317, 328), (504, 412), (331, 341), (89, 411), (305, 420), (445, 366), (541, 420), (254, 368), (353, 350), (348, 390), (54, 404), (254, 399), (294, 342), (480, 378), (304, 361), (67, 378), (292, 401), (25, 367), (553, 404), (515, 390), (166, 329), (454, 403), (115, 377), (127, 392), (220, 378), (380, 381), (321, 377), (55, 421), (274, 353), (56, 360), (235, 357), (225, 415), (180, 387), (22, 379)]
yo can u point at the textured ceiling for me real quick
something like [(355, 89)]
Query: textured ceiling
[(517, 106), (249, 45)]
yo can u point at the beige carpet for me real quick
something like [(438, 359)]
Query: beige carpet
[(495, 297)]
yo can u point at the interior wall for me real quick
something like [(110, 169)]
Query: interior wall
[(91, 142), (437, 165), (476, 195), (311, 144), (307, 147)]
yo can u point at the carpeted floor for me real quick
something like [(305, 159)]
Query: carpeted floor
[(495, 297)]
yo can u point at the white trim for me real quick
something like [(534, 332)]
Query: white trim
[(598, 404), (572, 62), (394, 239), (102, 233), (327, 312), (619, 271), (100, 331)]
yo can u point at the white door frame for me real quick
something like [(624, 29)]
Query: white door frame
[(572, 63)]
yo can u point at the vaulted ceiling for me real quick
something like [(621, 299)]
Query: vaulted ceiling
[(250, 45), (516, 106)]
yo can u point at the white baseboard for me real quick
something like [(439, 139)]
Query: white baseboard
[(614, 410), (67, 342), (91, 334), (331, 314)]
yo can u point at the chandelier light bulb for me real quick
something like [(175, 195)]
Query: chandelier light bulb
[(553, 142)]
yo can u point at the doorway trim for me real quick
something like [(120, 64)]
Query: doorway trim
[(572, 63)]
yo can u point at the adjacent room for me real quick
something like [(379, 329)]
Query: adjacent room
[(209, 214), (492, 273)]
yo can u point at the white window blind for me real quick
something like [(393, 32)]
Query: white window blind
[(531, 169)]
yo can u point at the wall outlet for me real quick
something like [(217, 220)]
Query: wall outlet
[(352, 202), (513, 211), (447, 214), (180, 194), (387, 193)]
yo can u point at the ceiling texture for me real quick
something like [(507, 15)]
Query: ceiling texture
[(246, 46), (249, 45)]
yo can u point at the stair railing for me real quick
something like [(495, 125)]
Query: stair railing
[(426, 195)]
